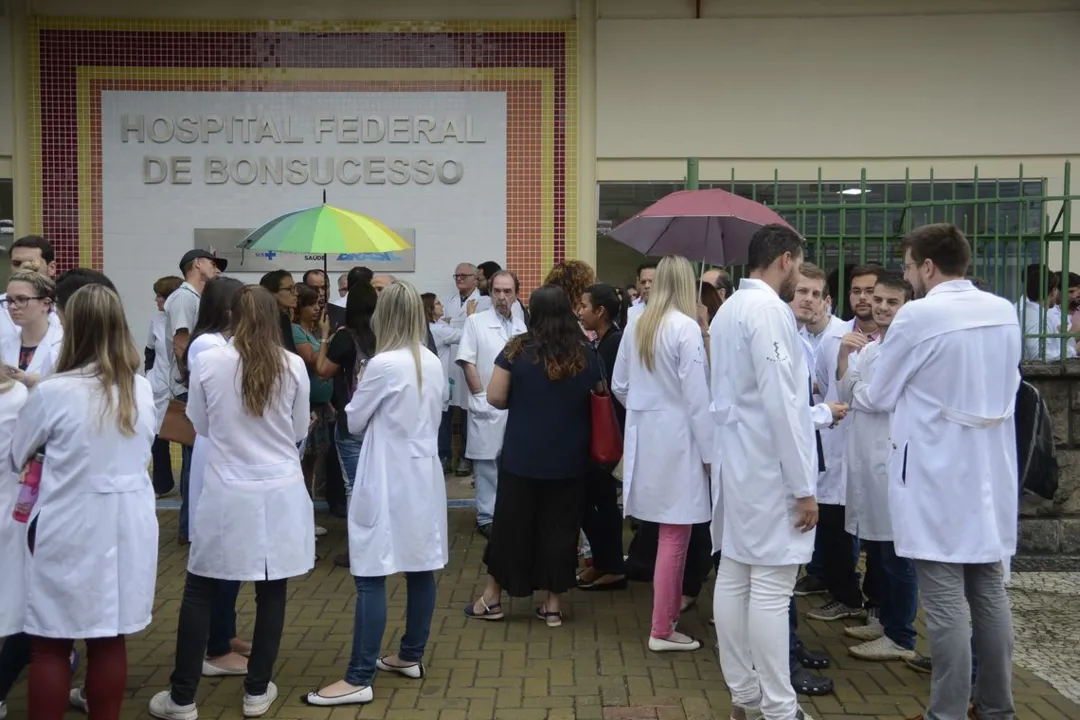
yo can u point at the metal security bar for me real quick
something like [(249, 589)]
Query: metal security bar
[(1012, 222)]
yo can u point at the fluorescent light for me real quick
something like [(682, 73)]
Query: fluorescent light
[(853, 191)]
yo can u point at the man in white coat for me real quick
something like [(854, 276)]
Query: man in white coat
[(483, 338), (891, 588), (949, 372), (835, 549), (764, 506), (645, 273), (456, 312)]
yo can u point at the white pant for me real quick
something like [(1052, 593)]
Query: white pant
[(750, 604)]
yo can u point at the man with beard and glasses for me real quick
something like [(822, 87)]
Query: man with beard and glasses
[(764, 510), (949, 373), (835, 548)]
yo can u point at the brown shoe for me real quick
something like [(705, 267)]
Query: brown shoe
[(973, 714)]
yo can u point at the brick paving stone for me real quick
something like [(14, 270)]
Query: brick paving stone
[(595, 667)]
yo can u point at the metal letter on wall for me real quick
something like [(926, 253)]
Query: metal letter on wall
[(224, 241)]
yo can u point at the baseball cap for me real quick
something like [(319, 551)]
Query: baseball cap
[(192, 255)]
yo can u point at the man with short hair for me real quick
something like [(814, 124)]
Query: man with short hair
[(317, 279), (808, 306), (721, 280), (381, 282), (482, 339), (763, 492), (891, 590), (484, 272), (645, 273), (835, 548), (31, 248), (343, 285), (949, 373), (456, 312), (1040, 312), (181, 309)]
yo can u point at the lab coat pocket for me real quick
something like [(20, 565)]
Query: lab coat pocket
[(479, 406), (365, 505), (113, 484), (903, 466)]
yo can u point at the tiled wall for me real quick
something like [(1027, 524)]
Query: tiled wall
[(73, 61)]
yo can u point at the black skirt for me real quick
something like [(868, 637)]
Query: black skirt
[(534, 534)]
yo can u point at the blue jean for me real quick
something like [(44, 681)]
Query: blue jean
[(896, 591), (370, 623), (348, 452), (446, 432), (486, 473), (222, 619)]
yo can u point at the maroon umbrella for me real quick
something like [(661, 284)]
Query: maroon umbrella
[(713, 226)]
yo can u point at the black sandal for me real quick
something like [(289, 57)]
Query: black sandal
[(807, 683), (811, 659), (553, 619)]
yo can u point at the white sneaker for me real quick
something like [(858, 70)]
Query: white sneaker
[(163, 707), (881, 649), (676, 642), (320, 531), (77, 698), (259, 705), (872, 630)]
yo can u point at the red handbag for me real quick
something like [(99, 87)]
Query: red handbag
[(606, 447)]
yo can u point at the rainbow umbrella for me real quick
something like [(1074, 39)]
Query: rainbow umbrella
[(324, 230)]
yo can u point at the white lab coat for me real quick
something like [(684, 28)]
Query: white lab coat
[(201, 448), (830, 487), (46, 355), (820, 414), (255, 520), (159, 371), (1035, 323), (668, 438), (94, 564), (12, 534), (765, 439), (397, 515), (9, 331), (949, 372), (868, 449), (813, 341), (456, 310), (445, 337), (484, 337)]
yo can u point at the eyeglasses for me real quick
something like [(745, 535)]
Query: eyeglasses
[(19, 302), (464, 277)]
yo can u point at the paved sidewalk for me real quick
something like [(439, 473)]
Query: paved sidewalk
[(595, 667)]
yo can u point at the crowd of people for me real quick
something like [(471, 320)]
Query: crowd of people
[(760, 433)]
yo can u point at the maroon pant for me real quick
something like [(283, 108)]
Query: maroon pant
[(50, 677)]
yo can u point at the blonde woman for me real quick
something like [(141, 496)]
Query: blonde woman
[(32, 353), (397, 515), (254, 521), (16, 650), (93, 534), (660, 378)]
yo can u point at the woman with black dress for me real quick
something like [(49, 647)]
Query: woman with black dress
[(544, 378)]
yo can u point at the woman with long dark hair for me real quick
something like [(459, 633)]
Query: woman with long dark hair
[(93, 533), (544, 378), (225, 653), (602, 519), (255, 521)]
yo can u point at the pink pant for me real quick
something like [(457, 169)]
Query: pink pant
[(668, 577)]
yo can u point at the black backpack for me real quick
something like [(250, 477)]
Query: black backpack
[(1035, 450)]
